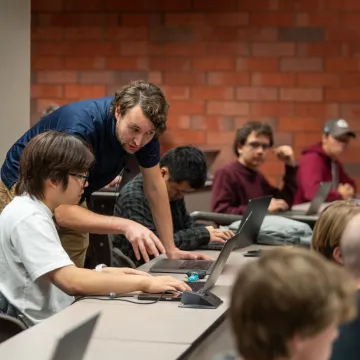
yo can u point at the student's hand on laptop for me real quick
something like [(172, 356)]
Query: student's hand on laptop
[(285, 154), (123, 271), (277, 205), (143, 240), (218, 234), (346, 191), (186, 255), (159, 284)]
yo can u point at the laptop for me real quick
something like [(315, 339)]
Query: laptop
[(73, 344), (315, 204), (257, 206), (184, 266), (216, 269)]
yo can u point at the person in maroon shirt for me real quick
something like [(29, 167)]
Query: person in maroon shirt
[(320, 163), (239, 181)]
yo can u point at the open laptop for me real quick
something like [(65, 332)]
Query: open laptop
[(257, 206), (216, 269), (315, 204), (184, 266), (73, 344)]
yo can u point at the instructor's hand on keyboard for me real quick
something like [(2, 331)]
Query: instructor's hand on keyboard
[(143, 240), (218, 234), (159, 284)]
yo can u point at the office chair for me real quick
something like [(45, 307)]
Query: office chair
[(9, 327)]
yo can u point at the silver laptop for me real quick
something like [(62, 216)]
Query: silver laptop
[(241, 239), (315, 204), (73, 344)]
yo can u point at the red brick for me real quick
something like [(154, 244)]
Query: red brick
[(272, 19), (275, 109), (319, 49), (134, 48), (258, 5), (127, 33), (178, 49), (180, 19), (145, 5), (207, 33), (233, 19), (214, 63), (84, 5), (97, 77), (351, 113), (213, 123), (340, 34), (92, 48), (53, 48), (350, 79), (56, 77), (272, 79), (138, 19), (178, 122), (80, 19), (84, 91), (223, 6), (229, 48), (272, 50), (41, 91), (257, 64), (256, 94), (176, 92), (155, 77), (227, 108), (267, 34), (317, 19), (186, 137), (85, 63), (342, 65), (271, 168), (300, 5), (343, 5), (322, 111), (175, 64), (42, 104), (220, 138), (47, 63), (184, 78), (127, 63), (48, 33), (311, 79), (305, 139), (351, 49), (212, 93), (191, 107), (295, 124), (84, 33), (301, 95), (48, 6), (227, 78), (350, 94), (301, 64)]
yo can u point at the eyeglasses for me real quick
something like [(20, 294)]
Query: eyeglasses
[(256, 145), (82, 177)]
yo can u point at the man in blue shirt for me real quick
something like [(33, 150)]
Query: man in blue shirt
[(127, 123)]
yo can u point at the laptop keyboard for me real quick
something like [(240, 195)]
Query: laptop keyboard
[(196, 264), (214, 245)]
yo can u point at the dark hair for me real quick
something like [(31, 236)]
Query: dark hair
[(243, 133), (186, 163), (150, 98), (51, 155)]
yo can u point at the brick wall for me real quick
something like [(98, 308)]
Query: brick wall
[(294, 63)]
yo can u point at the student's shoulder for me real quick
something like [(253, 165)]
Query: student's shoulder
[(133, 189), (228, 168)]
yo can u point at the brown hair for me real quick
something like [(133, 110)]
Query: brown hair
[(243, 133), (330, 226), (150, 98), (287, 292), (51, 155)]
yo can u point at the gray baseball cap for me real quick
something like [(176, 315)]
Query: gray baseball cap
[(337, 128)]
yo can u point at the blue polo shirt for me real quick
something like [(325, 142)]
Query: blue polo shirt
[(91, 121)]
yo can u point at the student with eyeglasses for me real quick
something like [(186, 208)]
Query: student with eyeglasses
[(239, 181)]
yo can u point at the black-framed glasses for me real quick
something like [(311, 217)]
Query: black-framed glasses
[(256, 145), (82, 177)]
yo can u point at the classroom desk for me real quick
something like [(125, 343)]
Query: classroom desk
[(126, 329)]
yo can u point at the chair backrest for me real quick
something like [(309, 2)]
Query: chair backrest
[(9, 327)]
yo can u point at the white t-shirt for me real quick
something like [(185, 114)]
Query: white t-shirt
[(30, 247)]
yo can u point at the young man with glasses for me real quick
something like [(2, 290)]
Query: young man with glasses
[(321, 163), (239, 181), (38, 277)]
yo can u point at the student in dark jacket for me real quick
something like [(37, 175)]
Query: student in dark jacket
[(239, 181), (321, 163)]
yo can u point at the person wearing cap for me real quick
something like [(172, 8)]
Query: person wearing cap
[(321, 163)]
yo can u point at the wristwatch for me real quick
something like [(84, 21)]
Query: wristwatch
[(99, 267)]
